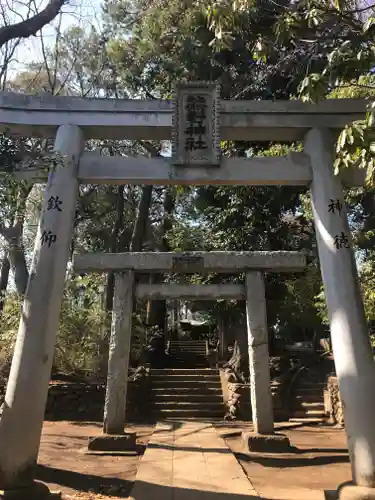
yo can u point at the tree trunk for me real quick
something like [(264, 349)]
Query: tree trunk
[(13, 236), (119, 224), (157, 309), (4, 278), (16, 256), (33, 24), (140, 225), (19, 267)]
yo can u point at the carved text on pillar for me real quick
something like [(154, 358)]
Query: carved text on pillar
[(341, 241), (335, 206), (48, 238), (54, 203)]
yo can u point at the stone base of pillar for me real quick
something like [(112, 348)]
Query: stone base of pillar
[(266, 443), (36, 491), (113, 443), (350, 491)]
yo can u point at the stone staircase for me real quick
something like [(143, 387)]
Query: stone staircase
[(308, 399), (187, 393), (188, 353)]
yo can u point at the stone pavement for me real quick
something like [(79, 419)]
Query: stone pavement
[(189, 461)]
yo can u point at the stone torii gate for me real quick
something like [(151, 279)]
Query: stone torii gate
[(196, 161), (253, 292)]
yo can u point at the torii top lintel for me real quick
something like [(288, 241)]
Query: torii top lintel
[(190, 262), (41, 115)]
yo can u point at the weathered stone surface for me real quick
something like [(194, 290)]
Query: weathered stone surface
[(195, 134), (124, 442), (335, 407), (237, 398), (352, 351), (271, 443), (177, 465), (293, 170), (168, 291), (350, 491), (21, 422), (85, 401), (119, 353), (223, 262), (257, 331), (152, 120)]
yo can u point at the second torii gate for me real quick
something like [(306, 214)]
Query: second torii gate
[(253, 292)]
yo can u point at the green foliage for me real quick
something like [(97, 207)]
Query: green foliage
[(335, 44), (82, 336), (8, 330), (367, 280)]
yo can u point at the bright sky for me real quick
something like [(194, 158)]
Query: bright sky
[(74, 13)]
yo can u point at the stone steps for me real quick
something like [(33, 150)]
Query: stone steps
[(308, 402), (308, 398), (204, 390), (191, 413), (183, 371), (187, 394), (188, 405), (307, 420), (192, 350), (187, 383), (309, 414), (188, 348), (307, 391), (190, 397), (308, 406), (184, 378)]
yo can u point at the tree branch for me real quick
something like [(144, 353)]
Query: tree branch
[(31, 26)]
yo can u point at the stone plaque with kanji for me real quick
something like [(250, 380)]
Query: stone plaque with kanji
[(196, 114), (187, 263)]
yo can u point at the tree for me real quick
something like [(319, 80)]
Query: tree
[(32, 23), (334, 42), (154, 45), (15, 156)]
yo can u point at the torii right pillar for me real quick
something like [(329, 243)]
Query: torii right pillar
[(352, 351)]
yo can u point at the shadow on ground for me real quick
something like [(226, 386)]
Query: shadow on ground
[(122, 488), (290, 461), (84, 482), (249, 457)]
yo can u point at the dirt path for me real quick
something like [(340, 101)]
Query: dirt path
[(320, 463), (65, 467)]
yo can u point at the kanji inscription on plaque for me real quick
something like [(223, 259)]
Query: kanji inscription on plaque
[(187, 263), (196, 114)]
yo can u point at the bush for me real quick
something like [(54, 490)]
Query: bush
[(83, 336), (8, 332)]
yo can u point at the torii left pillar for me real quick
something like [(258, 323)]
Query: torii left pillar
[(263, 439), (114, 438), (25, 400)]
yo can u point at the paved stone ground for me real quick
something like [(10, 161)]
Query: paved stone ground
[(190, 461)]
